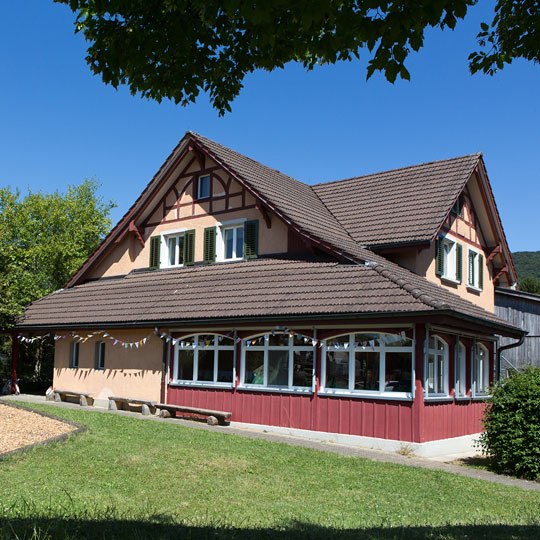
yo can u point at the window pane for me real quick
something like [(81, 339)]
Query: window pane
[(254, 367), (281, 340), (229, 239), (431, 374), (185, 365), (205, 340), (363, 340), (172, 251), (225, 341), (366, 371), (303, 368), (278, 368), (239, 242), (298, 341), (204, 187), (225, 366), (440, 374), (395, 340), (206, 365), (341, 340), (180, 257), (337, 369), (398, 372)]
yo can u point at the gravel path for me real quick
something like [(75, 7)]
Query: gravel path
[(20, 428)]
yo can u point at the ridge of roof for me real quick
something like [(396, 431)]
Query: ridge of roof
[(399, 169)]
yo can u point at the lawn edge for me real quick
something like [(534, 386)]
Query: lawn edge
[(79, 428)]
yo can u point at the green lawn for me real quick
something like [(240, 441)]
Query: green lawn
[(132, 478)]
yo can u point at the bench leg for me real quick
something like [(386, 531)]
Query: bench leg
[(57, 397), (112, 405), (145, 409), (83, 402), (163, 413), (212, 421)]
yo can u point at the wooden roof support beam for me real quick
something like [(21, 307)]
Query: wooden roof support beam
[(497, 249), (260, 206), (500, 272), (133, 228)]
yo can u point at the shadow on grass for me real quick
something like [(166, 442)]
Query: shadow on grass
[(67, 529)]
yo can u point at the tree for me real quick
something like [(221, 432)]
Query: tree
[(174, 49), (44, 239), (530, 285)]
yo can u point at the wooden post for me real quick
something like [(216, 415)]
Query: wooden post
[(418, 403), (14, 360)]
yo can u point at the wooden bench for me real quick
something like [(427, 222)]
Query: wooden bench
[(212, 417), (84, 399), (119, 403)]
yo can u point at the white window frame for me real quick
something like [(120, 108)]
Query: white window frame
[(382, 349), (475, 283), (460, 370), (477, 389), (437, 354), (164, 251), (449, 259), (100, 359), (199, 184), (266, 347), (220, 238), (74, 350), (186, 343)]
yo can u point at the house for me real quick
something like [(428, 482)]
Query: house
[(523, 310), (360, 310)]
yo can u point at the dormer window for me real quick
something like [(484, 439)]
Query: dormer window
[(175, 250), (204, 187), (448, 263)]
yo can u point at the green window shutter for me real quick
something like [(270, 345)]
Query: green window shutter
[(189, 247), (209, 245), (439, 257), (480, 271), (155, 244), (251, 239), (459, 262)]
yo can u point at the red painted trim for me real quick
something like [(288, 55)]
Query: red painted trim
[(418, 428)]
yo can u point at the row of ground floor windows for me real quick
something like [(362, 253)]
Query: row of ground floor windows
[(359, 363)]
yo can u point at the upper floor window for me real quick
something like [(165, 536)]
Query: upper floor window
[(475, 269), (203, 187), (457, 209), (204, 359), (74, 354), (280, 361), (367, 363), (480, 370), (460, 385), (233, 242), (437, 367), (172, 248), (449, 259)]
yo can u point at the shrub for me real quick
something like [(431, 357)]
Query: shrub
[(512, 425)]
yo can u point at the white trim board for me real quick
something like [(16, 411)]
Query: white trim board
[(441, 447)]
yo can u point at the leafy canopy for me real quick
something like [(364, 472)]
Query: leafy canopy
[(174, 49), (44, 239)]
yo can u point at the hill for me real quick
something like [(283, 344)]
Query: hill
[(527, 264)]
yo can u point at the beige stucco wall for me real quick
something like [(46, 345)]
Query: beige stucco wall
[(130, 372), (129, 254)]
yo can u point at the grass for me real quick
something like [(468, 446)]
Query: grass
[(132, 478)]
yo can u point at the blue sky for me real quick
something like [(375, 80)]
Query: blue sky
[(61, 124)]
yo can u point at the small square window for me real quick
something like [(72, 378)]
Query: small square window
[(74, 355), (100, 355), (204, 187), (233, 243)]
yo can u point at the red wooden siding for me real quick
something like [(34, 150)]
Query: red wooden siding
[(452, 419)]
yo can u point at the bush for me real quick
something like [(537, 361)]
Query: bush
[(512, 425)]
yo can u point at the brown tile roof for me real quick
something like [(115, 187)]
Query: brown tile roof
[(399, 206), (265, 287)]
